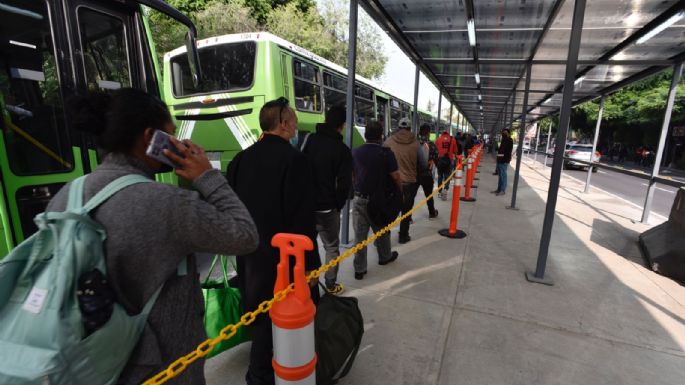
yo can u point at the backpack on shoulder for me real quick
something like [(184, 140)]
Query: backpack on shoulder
[(43, 339), (338, 328)]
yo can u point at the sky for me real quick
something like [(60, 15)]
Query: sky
[(396, 79)]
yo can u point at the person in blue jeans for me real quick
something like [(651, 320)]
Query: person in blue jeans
[(503, 159)]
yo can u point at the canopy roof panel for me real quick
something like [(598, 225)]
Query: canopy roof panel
[(510, 34)]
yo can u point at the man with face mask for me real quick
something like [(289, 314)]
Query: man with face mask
[(274, 180)]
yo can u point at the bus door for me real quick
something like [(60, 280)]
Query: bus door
[(36, 150), (39, 153), (382, 112)]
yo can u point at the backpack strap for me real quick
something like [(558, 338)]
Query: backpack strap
[(114, 187), (75, 199)]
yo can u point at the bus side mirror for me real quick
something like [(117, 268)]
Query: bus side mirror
[(193, 59)]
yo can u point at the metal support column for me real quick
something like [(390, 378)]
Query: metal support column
[(449, 129), (564, 119), (351, 70), (415, 117), (537, 140), (522, 133), (439, 108), (594, 143), (549, 137), (677, 72)]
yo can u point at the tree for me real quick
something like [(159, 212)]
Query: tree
[(430, 106), (371, 57), (220, 18)]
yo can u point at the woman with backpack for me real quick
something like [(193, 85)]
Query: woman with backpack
[(153, 229)]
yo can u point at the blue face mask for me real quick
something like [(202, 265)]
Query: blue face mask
[(295, 139)]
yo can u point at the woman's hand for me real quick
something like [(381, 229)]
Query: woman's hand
[(194, 161)]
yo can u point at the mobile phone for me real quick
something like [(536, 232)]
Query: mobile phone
[(162, 141)]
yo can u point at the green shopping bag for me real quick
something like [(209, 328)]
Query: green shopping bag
[(222, 307)]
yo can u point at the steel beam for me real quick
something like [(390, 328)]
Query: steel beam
[(520, 62), (677, 72), (594, 143), (565, 116), (439, 107), (352, 70), (415, 116), (522, 133)]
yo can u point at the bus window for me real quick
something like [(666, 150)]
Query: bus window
[(334, 89), (105, 58), (35, 134), (307, 89), (364, 107), (225, 67)]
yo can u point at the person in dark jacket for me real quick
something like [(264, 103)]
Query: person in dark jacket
[(274, 181), (331, 161), (426, 173), (503, 159), (372, 163)]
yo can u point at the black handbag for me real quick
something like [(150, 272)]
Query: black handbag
[(338, 328)]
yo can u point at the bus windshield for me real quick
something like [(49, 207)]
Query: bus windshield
[(225, 67)]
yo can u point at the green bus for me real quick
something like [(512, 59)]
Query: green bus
[(50, 50), (243, 71)]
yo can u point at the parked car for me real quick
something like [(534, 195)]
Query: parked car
[(580, 152)]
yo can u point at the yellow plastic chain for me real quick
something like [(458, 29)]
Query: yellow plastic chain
[(178, 366)]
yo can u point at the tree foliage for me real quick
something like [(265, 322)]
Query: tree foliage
[(634, 115), (321, 30)]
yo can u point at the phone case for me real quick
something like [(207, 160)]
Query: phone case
[(161, 141)]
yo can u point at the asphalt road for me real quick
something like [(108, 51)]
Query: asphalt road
[(625, 186)]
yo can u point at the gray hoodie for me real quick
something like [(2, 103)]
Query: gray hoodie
[(151, 228)]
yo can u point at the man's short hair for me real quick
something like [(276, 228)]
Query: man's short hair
[(506, 130), (404, 123), (374, 130), (336, 115), (424, 127), (272, 113)]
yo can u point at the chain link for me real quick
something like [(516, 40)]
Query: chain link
[(178, 366)]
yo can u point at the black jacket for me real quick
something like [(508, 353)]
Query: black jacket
[(331, 162), (274, 182), (505, 148)]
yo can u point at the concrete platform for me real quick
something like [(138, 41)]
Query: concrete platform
[(459, 311)]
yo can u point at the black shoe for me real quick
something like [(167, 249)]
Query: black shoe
[(404, 240), (434, 215), (494, 173), (359, 276), (392, 258)]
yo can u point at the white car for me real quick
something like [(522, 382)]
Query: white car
[(581, 152)]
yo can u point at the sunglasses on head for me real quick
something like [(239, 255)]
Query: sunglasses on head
[(282, 103)]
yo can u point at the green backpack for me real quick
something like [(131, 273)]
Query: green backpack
[(42, 338)]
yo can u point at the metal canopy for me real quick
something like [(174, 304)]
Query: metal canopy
[(510, 34)]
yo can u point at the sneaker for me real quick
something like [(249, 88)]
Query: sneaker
[(404, 240), (434, 215), (494, 192), (359, 276), (336, 289), (392, 258), (500, 193)]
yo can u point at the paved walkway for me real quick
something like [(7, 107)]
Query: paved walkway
[(461, 312)]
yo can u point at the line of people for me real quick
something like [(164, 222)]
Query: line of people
[(269, 188)]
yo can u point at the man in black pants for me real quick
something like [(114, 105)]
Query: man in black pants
[(426, 173), (274, 181)]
